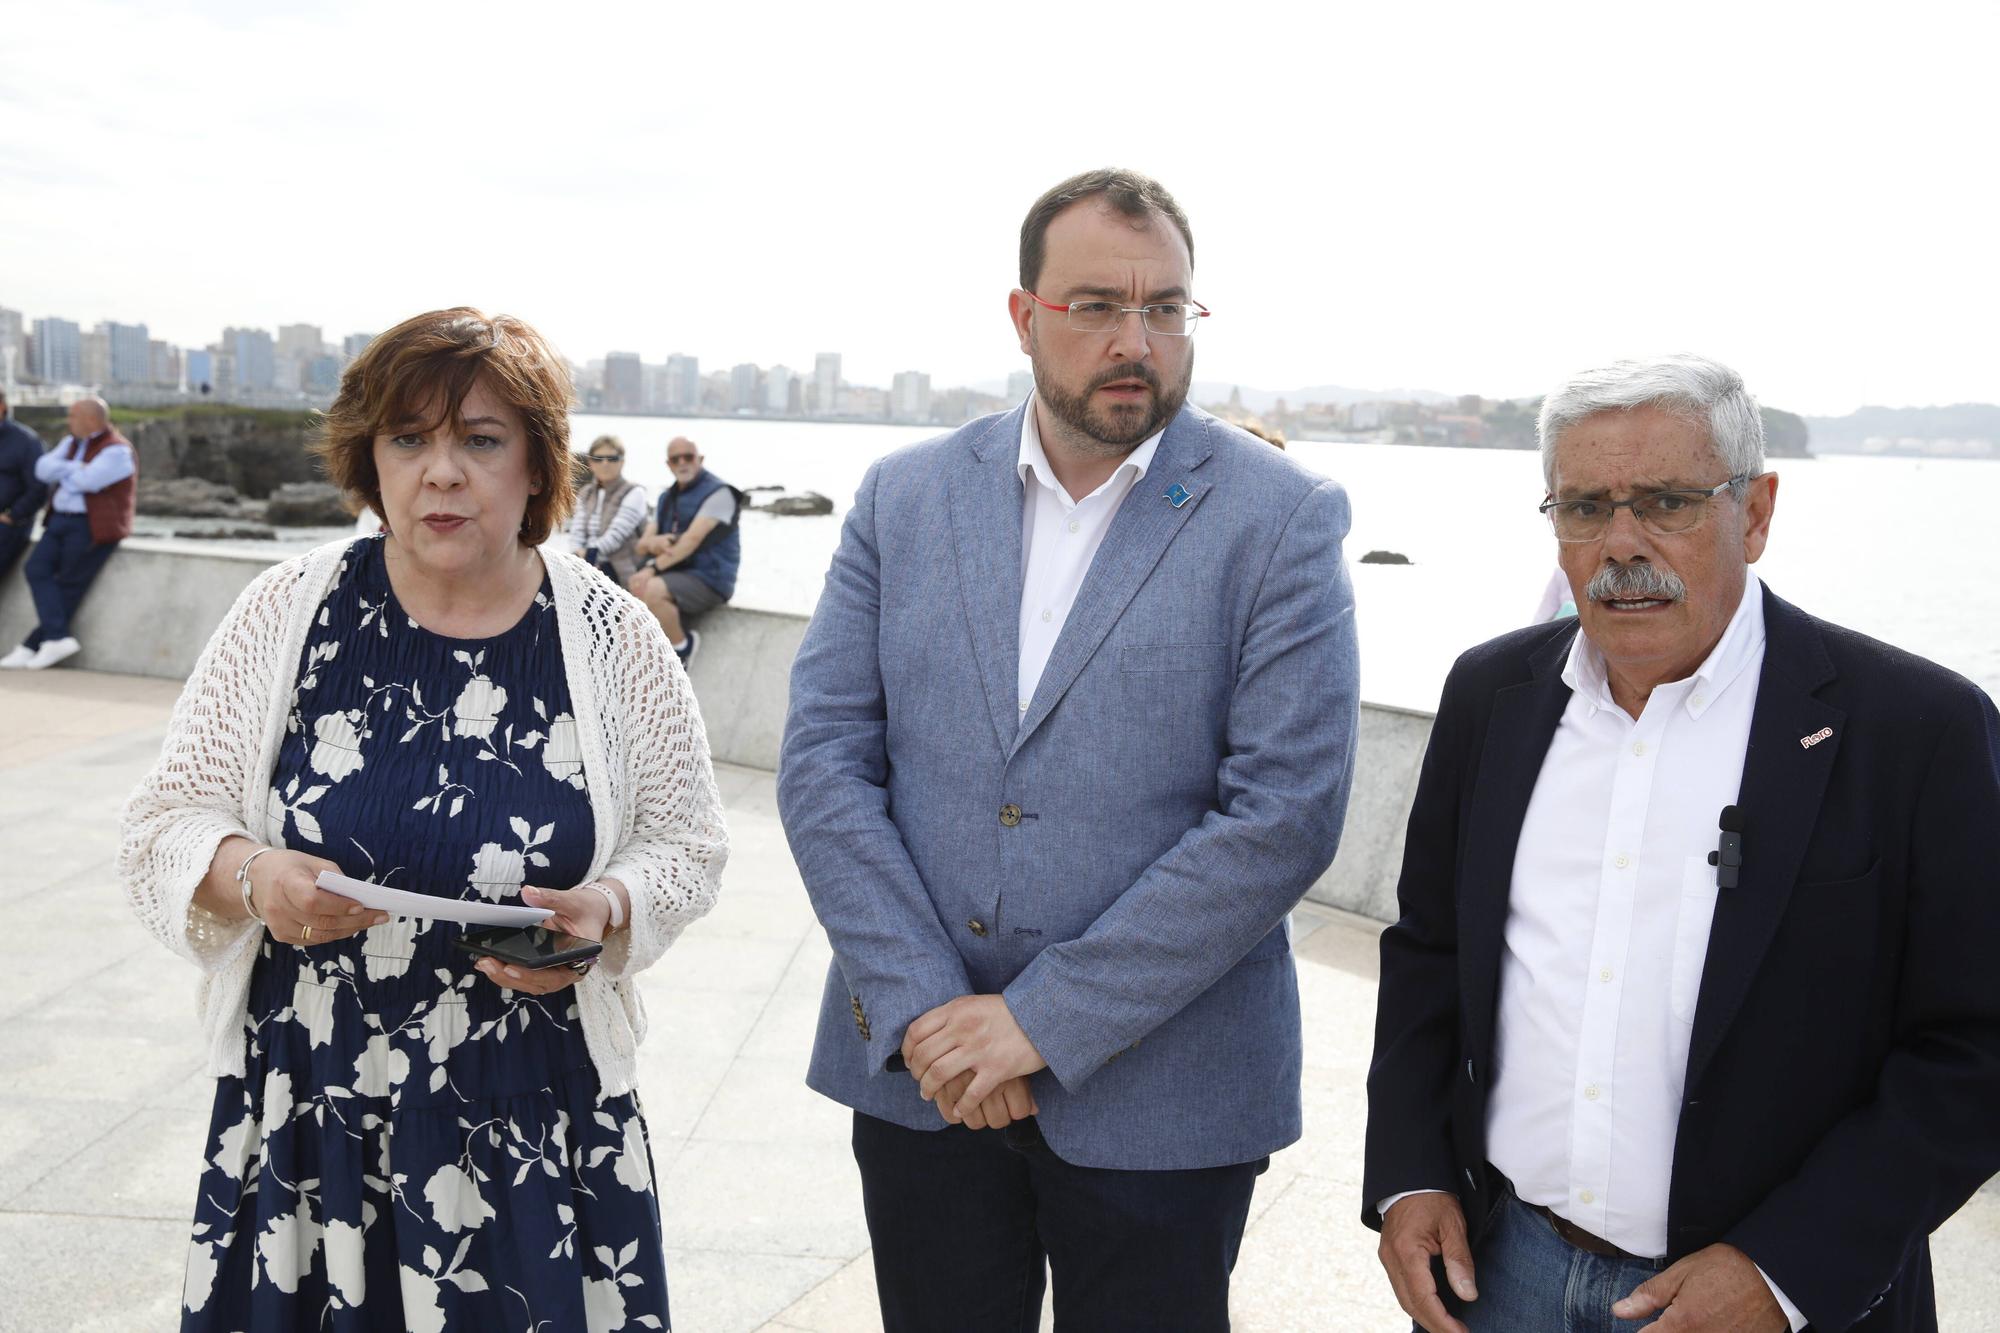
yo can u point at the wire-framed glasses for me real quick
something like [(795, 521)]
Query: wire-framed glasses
[(1172, 319), (1658, 512)]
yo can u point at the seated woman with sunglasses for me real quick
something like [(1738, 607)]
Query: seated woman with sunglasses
[(610, 512), (404, 1138)]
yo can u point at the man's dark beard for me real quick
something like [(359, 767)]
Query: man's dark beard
[(1117, 431)]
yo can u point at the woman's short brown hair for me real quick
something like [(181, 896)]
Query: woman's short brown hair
[(416, 377)]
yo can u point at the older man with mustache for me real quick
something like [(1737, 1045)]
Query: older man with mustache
[(1688, 1019)]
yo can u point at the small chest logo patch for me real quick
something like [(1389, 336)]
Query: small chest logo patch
[(1807, 742)]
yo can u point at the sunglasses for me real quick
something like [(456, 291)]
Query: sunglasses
[(680, 458), (607, 458)]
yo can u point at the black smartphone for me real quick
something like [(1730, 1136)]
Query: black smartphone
[(531, 947)]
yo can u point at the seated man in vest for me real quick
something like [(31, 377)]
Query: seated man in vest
[(21, 493), (691, 549), (94, 472)]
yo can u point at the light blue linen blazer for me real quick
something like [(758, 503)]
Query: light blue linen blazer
[(1120, 860)]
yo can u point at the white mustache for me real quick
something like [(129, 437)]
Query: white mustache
[(1635, 582)]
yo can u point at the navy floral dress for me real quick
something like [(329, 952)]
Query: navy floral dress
[(412, 1146)]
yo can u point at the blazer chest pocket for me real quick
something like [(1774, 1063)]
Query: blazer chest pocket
[(1175, 657)]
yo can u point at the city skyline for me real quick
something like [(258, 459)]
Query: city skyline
[(1477, 199)]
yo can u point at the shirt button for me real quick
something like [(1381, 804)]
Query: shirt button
[(1638, 747), (1590, 1094), (1699, 700), (1586, 1197), (1048, 615), (1622, 861), (1024, 705), (1075, 526), (1604, 974)]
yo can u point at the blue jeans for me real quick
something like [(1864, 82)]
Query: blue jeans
[(1533, 1281), (60, 571), (963, 1220)]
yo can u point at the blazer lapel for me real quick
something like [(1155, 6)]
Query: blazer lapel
[(1517, 740), (1783, 784), (1145, 524), (986, 531)]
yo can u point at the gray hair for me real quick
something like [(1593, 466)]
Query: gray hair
[(1692, 387)]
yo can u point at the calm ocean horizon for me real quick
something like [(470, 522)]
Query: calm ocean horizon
[(1902, 549)]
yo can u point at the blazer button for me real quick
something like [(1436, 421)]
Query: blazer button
[(977, 927), (1010, 815)]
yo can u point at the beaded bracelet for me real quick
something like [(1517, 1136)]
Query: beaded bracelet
[(613, 899)]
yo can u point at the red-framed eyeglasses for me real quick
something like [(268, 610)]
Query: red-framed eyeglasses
[(1171, 319)]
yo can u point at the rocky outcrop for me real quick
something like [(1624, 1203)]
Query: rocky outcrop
[(187, 497), (252, 450), (306, 504), (807, 503)]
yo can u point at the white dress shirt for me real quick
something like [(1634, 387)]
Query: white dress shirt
[(1607, 933), (1059, 538)]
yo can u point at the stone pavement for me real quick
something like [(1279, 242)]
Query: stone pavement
[(104, 1105)]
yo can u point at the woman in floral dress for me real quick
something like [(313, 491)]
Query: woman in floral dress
[(404, 1137)]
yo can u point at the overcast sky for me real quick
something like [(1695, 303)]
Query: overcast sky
[(1473, 198)]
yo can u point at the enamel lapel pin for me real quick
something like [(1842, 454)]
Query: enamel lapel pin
[(1807, 742), (1178, 495)]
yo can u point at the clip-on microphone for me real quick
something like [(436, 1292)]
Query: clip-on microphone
[(1727, 858)]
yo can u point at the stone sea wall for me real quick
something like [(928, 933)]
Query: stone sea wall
[(153, 608)]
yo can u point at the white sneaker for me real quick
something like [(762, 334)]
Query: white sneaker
[(17, 659), (54, 651)]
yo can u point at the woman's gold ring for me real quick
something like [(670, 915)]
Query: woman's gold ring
[(306, 934)]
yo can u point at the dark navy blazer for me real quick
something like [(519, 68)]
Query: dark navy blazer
[(21, 496), (1843, 1082)]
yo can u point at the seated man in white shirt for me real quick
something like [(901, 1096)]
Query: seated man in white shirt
[(1689, 1014)]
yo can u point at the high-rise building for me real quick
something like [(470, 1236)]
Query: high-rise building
[(58, 351), (743, 387), (200, 365), (13, 346), (255, 360), (300, 340), (715, 391), (778, 390), (1019, 385), (129, 360), (683, 384), (826, 385), (354, 344), (624, 382), (910, 396), (96, 358), (163, 364), (322, 374)]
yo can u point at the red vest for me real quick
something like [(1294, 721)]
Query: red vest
[(110, 510)]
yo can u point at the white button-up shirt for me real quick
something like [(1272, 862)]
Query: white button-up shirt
[(1607, 934), (1059, 538)]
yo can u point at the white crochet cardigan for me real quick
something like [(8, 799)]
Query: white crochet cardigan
[(659, 826)]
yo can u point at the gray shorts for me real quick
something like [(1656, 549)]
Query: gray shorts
[(690, 594)]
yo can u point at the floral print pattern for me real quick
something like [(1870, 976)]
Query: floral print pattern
[(411, 1146)]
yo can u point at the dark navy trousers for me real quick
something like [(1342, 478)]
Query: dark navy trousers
[(63, 565), (963, 1220), (13, 541)]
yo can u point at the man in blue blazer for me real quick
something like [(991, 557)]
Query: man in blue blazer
[(1690, 1013), (1070, 734)]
